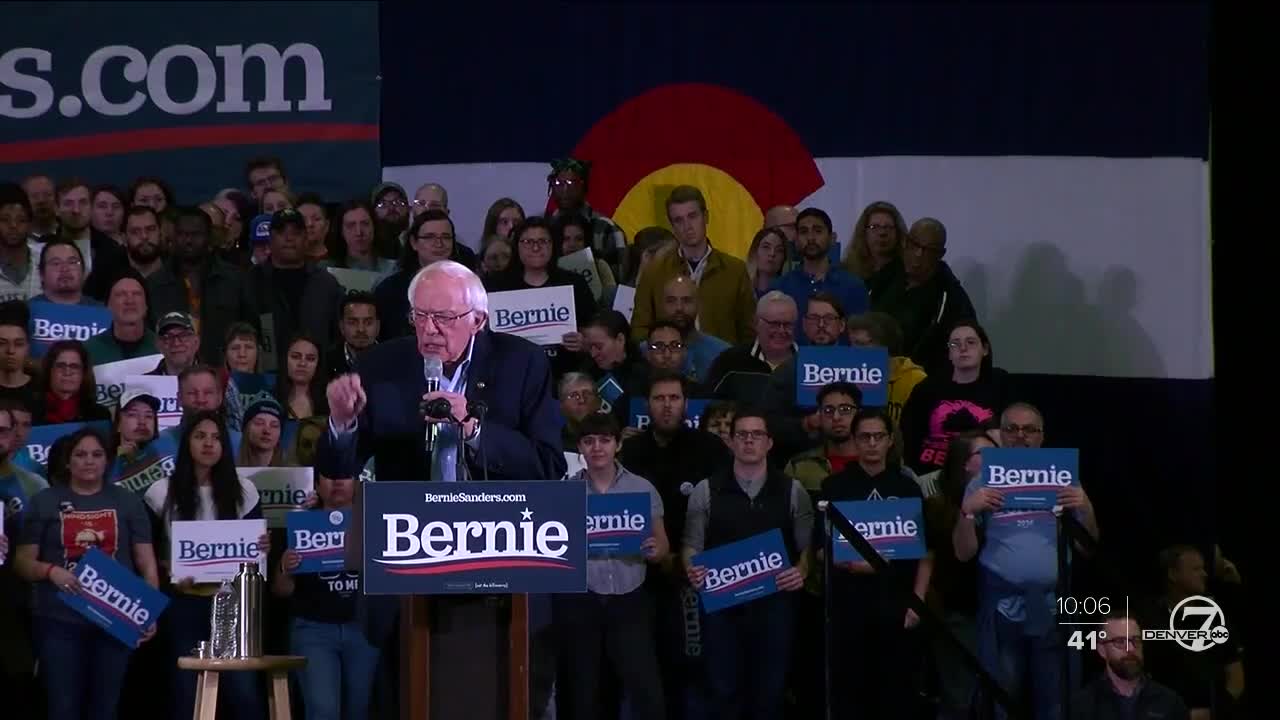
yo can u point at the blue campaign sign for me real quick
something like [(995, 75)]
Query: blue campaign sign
[(639, 415), (318, 536), (866, 367), (617, 523), (51, 322), (895, 528), (35, 456), (113, 598), (1030, 478), (742, 571), (610, 391), (142, 469), (507, 537)]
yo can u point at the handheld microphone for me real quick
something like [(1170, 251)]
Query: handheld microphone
[(433, 369)]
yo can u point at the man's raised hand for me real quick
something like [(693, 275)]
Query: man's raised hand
[(346, 400)]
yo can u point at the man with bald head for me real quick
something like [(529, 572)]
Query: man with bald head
[(680, 308), (924, 296), (431, 196), (783, 218)]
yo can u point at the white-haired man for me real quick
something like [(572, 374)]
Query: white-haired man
[(378, 412), (742, 372)]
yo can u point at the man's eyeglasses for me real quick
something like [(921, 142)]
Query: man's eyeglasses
[(756, 435), (821, 320), (176, 338), (1123, 641), (778, 324), (1022, 429), (843, 409), (661, 347), (581, 395), (442, 320), (871, 437), (397, 203), (565, 182)]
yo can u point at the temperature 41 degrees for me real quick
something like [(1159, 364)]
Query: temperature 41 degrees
[(1080, 639)]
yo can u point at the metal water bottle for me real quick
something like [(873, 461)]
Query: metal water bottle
[(248, 590)]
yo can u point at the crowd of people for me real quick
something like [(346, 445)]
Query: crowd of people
[(237, 298)]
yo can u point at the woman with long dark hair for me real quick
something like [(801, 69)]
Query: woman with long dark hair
[(204, 486), (300, 389), (66, 390), (83, 666), (354, 249)]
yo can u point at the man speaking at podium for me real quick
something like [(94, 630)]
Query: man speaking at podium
[(504, 425)]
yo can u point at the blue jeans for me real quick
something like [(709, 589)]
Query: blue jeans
[(1016, 660), (83, 669), (748, 652), (337, 681), (240, 694)]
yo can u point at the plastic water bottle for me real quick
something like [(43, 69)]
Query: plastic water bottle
[(222, 625)]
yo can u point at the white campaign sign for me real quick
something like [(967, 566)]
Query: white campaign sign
[(212, 550), (165, 388), (574, 461), (111, 377), (583, 263), (280, 489), (355, 280), (540, 315), (625, 300)]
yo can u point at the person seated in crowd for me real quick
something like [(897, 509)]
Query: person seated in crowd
[(571, 234), (430, 196), (877, 681), (534, 266), (431, 237), (263, 421), (878, 238), (923, 295), (143, 244), (128, 336), (240, 366), (567, 185), (495, 257), (795, 427), (967, 396), (265, 173), (300, 389), (391, 218), (17, 483), (16, 380), (724, 290), (1019, 642), (881, 330), (578, 401), (152, 192), (20, 276), (178, 342), (1124, 689), (49, 549), (615, 364), (501, 218), (273, 201), (194, 281), (748, 647), (136, 428), (101, 256), (199, 390), (742, 372), (783, 219), (338, 679), (315, 215), (204, 486), (1211, 682), (66, 390), (649, 244), (296, 295), (356, 249), (609, 629), (666, 351), (717, 419), (44, 211), (816, 273), (766, 259), (106, 213), (359, 326), (680, 307), (62, 275)]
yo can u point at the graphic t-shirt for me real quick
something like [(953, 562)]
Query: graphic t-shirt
[(326, 597), (64, 525), (940, 409)]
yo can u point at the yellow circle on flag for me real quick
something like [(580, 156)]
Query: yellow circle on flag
[(733, 215)]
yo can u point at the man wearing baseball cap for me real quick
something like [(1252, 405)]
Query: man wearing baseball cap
[(296, 295), (259, 239), (178, 341)]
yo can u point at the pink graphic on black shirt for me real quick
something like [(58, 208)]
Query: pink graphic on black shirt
[(948, 419)]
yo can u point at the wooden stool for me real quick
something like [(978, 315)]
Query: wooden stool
[(277, 668)]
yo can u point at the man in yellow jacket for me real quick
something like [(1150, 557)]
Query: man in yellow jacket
[(725, 297), (880, 329)]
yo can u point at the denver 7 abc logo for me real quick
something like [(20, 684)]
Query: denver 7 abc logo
[(1212, 630)]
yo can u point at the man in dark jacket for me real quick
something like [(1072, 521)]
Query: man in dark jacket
[(196, 283), (1124, 690), (923, 295), (298, 296)]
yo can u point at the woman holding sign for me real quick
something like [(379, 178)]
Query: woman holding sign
[(83, 665), (204, 486), (338, 679), (66, 390), (611, 626)]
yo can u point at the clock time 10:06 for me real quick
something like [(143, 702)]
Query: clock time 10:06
[(1098, 607)]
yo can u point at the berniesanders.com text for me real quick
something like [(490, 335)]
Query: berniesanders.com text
[(475, 497)]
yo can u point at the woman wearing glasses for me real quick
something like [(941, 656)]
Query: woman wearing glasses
[(66, 390)]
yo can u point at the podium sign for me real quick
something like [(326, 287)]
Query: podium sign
[(428, 538)]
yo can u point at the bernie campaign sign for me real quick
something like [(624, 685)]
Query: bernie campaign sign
[(319, 537), (1030, 478), (508, 537), (212, 550), (35, 456), (165, 389), (610, 392), (617, 523), (113, 598), (153, 461), (542, 315), (51, 322), (742, 571), (866, 367), (112, 377), (639, 417), (895, 528), (281, 490)]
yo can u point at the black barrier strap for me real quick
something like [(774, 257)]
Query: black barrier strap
[(927, 616)]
